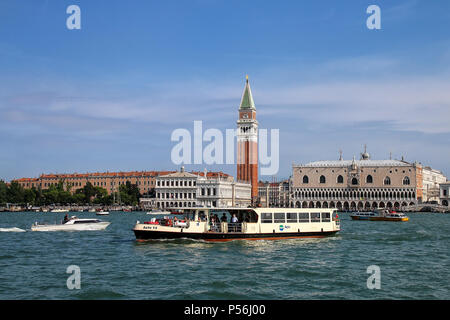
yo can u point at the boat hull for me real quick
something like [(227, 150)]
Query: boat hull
[(146, 235), (379, 218), (73, 227)]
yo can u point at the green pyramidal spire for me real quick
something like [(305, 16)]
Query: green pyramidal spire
[(247, 99)]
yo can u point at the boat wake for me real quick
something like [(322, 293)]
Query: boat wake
[(14, 229)]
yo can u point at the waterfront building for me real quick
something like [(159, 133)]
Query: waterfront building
[(208, 189), (444, 194), (363, 184), (111, 181), (247, 142), (274, 194), (432, 178)]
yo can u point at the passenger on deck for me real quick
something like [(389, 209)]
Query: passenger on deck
[(224, 218), (213, 224), (234, 221), (66, 218)]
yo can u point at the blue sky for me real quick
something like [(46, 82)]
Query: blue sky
[(108, 96)]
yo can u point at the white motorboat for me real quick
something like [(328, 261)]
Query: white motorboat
[(73, 224), (59, 210), (102, 213)]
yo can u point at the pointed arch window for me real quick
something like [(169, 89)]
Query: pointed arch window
[(369, 179), (305, 179), (406, 181), (340, 179), (387, 181), (322, 179)]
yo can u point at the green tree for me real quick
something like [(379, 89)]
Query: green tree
[(29, 196), (15, 193), (88, 191), (51, 195), (3, 192)]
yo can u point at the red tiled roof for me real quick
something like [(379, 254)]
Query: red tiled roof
[(115, 174)]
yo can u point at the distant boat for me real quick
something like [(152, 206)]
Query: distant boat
[(59, 210), (379, 215), (102, 213), (155, 212), (14, 229), (74, 224)]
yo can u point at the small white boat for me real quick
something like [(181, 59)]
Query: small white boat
[(102, 213), (14, 229), (59, 210), (74, 224), (91, 210), (157, 212)]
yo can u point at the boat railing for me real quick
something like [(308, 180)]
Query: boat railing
[(235, 227), (215, 227)]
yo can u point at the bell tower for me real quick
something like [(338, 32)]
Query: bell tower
[(247, 141)]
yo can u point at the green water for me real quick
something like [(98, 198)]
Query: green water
[(413, 258)]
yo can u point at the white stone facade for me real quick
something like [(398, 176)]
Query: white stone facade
[(431, 180), (186, 189), (223, 193)]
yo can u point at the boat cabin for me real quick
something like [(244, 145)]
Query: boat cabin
[(222, 223)]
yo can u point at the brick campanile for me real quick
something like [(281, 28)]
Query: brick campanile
[(247, 141)]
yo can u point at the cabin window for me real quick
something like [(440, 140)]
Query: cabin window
[(279, 217), (315, 216), (291, 217), (84, 221), (303, 217), (266, 217), (326, 217)]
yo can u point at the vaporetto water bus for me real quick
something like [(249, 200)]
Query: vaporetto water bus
[(225, 224)]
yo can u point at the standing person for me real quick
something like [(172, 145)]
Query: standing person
[(66, 218), (234, 221), (224, 218)]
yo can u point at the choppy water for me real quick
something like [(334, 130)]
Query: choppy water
[(413, 258)]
